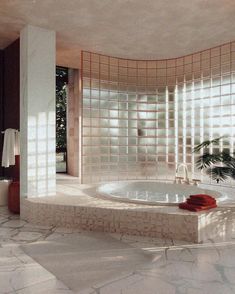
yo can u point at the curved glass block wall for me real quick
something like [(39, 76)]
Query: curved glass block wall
[(142, 118)]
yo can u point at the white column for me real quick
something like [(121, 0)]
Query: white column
[(37, 112)]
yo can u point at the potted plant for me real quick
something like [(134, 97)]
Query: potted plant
[(219, 165)]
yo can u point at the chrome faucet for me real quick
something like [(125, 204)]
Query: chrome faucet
[(186, 177)]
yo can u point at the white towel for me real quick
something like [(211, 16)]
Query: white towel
[(10, 147), (17, 142)]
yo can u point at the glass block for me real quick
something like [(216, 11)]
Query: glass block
[(94, 112), (113, 123), (142, 107), (104, 141), (123, 132), (123, 114), (225, 89), (123, 141), (104, 159), (95, 103), (225, 48), (226, 69), (215, 91), (132, 124), (114, 150), (113, 105), (113, 113), (104, 113), (86, 93), (114, 132), (151, 81), (114, 141), (225, 110), (216, 71), (183, 109), (132, 141), (104, 75), (225, 79), (95, 67), (132, 114), (95, 94), (123, 123), (114, 158), (132, 150)]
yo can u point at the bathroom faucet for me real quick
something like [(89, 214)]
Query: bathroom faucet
[(186, 178)]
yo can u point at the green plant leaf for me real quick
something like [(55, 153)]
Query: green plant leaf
[(227, 159), (220, 172), (205, 160), (206, 144)]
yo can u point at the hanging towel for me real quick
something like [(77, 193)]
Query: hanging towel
[(17, 142), (10, 147)]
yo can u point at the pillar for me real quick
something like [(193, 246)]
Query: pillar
[(37, 112)]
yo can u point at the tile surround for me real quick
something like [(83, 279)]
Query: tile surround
[(75, 207)]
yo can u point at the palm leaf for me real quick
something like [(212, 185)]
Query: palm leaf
[(220, 173), (206, 144), (232, 175), (227, 159), (205, 160)]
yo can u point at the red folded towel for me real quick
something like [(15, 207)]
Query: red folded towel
[(200, 202), (191, 207), (202, 197)]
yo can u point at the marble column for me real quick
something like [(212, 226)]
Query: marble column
[(37, 112), (73, 123)]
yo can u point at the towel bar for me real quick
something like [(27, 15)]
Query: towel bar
[(4, 131)]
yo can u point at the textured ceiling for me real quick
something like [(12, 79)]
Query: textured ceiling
[(138, 29)]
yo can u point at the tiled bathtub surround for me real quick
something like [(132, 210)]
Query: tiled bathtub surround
[(141, 118), (151, 222), (75, 207)]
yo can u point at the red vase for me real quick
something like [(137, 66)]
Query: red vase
[(14, 197)]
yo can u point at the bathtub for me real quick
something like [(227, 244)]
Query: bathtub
[(4, 184), (152, 193)]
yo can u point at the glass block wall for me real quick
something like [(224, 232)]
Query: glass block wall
[(142, 118)]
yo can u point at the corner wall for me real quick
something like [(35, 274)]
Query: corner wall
[(73, 123)]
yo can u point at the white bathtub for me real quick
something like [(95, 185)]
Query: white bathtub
[(151, 193), (4, 184)]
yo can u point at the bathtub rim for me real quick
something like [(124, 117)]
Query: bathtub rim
[(106, 196)]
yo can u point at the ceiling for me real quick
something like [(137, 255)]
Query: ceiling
[(137, 29)]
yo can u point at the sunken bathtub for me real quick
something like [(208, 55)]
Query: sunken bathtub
[(152, 192)]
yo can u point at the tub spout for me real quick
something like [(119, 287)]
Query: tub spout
[(185, 169)]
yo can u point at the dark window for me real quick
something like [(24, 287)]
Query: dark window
[(61, 119)]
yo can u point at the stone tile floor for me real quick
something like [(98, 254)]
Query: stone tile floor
[(40, 259)]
